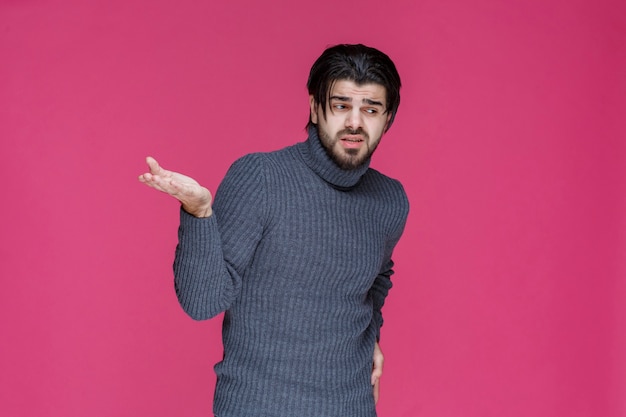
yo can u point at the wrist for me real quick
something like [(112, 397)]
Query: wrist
[(200, 212)]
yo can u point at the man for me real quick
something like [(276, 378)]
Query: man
[(296, 249)]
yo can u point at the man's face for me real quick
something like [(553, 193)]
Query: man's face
[(355, 122)]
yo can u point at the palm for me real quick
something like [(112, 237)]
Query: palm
[(195, 198)]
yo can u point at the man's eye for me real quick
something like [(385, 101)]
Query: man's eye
[(340, 106), (371, 111)]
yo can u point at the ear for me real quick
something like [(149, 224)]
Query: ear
[(313, 106)]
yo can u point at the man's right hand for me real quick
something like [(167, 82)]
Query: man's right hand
[(196, 199)]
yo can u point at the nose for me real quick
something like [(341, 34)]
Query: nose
[(353, 119)]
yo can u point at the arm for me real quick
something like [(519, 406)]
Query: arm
[(214, 253), (216, 243), (395, 218), (378, 293), (379, 290)]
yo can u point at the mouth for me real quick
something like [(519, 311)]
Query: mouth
[(352, 138), (352, 142)]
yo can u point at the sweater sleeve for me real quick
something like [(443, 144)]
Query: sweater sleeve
[(378, 293), (213, 253), (382, 284)]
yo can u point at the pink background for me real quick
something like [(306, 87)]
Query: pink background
[(510, 140)]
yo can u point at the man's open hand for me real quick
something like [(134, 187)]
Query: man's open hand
[(196, 199)]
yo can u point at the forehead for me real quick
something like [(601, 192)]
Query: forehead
[(350, 89)]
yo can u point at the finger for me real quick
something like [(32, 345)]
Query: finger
[(377, 368), (155, 169), (159, 183), (376, 374), (379, 364), (376, 389)]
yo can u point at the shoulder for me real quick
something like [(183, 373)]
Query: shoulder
[(250, 160), (257, 171), (389, 188), (388, 196), (245, 174), (259, 160)]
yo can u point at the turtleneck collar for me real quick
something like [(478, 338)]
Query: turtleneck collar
[(315, 157)]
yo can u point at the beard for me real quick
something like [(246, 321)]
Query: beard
[(347, 159)]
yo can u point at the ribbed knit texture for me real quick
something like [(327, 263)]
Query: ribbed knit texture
[(298, 254)]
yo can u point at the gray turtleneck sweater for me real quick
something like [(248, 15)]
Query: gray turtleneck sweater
[(298, 255)]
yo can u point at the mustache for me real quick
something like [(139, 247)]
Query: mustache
[(357, 131)]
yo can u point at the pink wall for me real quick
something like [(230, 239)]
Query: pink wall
[(510, 285)]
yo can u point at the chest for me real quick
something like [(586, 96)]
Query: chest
[(324, 239)]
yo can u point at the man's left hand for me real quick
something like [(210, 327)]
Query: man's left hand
[(377, 371)]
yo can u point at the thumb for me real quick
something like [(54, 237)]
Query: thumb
[(155, 169)]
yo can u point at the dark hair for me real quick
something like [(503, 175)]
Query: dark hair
[(358, 63)]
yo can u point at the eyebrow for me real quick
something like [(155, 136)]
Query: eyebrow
[(349, 100)]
